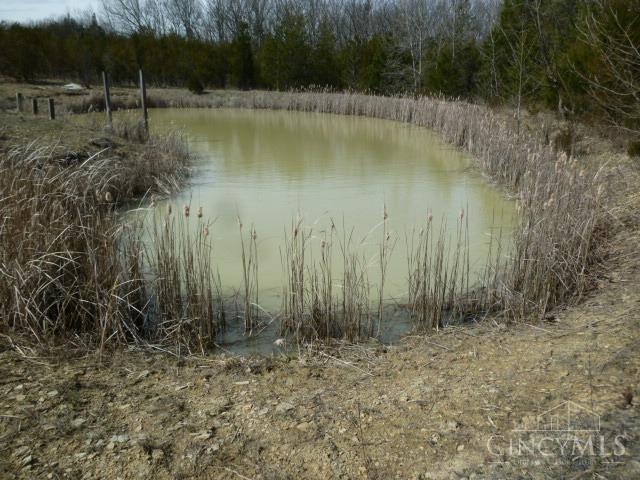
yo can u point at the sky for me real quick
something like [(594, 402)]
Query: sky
[(26, 10)]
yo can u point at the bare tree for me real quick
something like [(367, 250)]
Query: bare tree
[(129, 16), (185, 16), (415, 22), (616, 85)]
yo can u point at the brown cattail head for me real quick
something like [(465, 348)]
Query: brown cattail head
[(199, 212), (429, 217), (187, 210), (461, 213), (169, 209), (206, 231)]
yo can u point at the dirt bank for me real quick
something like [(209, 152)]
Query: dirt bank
[(425, 409), (440, 406)]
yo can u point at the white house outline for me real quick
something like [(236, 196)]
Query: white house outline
[(559, 419)]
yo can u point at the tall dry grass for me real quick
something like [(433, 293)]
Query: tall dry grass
[(68, 265), (183, 285), (71, 267), (561, 201)]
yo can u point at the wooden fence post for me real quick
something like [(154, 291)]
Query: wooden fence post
[(107, 97), (143, 99), (34, 106), (19, 102), (52, 110)]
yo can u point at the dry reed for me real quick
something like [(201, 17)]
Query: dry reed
[(187, 301), (56, 236)]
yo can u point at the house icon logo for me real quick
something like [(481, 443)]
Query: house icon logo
[(566, 417)]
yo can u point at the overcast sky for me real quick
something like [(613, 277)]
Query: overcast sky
[(26, 10)]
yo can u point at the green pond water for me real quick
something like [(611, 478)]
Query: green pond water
[(270, 168)]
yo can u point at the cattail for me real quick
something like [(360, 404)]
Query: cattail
[(187, 209), (206, 231), (169, 209), (429, 217), (384, 213), (461, 213), (199, 212)]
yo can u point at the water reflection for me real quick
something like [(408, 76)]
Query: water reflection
[(271, 167)]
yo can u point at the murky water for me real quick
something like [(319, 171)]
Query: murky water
[(271, 168)]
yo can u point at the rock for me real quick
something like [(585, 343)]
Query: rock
[(111, 446), (284, 407), (304, 426), (451, 425), (52, 393), (204, 435), (144, 374), (78, 422), (72, 87), (27, 460), (213, 448), (103, 143), (20, 398), (120, 438), (18, 452), (157, 455), (460, 448)]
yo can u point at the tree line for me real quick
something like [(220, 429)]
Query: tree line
[(579, 57)]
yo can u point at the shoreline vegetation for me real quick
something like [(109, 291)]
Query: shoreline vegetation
[(75, 270)]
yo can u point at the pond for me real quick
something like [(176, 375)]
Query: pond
[(272, 168)]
